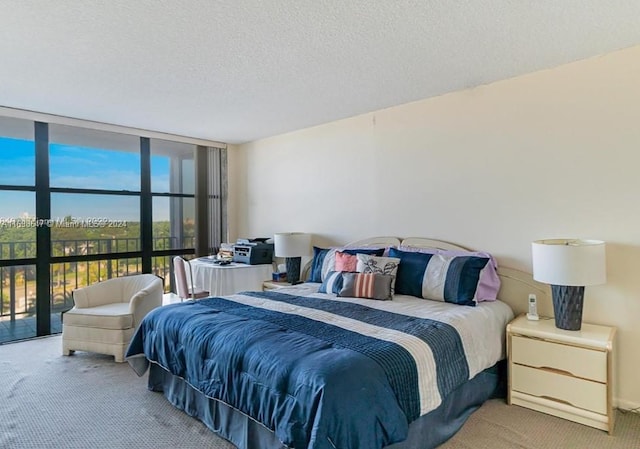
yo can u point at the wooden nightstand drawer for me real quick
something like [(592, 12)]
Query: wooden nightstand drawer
[(579, 362), (579, 393)]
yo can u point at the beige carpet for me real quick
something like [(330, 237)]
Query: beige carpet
[(88, 401)]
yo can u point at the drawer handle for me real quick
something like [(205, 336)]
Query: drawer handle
[(557, 400), (556, 371)]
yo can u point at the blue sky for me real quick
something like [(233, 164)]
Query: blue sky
[(72, 166)]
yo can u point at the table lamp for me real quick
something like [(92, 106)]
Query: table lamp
[(292, 246), (568, 265)]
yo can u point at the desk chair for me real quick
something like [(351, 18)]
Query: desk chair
[(185, 287)]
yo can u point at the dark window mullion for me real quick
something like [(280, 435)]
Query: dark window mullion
[(43, 233), (18, 188), (94, 191), (146, 205), (202, 204), (175, 195)]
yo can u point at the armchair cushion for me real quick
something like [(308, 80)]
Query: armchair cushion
[(109, 316)]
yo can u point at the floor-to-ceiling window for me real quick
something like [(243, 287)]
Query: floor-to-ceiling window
[(80, 205)]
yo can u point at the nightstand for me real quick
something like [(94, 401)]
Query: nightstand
[(270, 285), (563, 373)]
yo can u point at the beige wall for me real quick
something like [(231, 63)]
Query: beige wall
[(551, 154)]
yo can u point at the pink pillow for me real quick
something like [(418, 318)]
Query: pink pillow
[(346, 262)]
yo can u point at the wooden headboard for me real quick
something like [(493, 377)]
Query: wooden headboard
[(515, 285)]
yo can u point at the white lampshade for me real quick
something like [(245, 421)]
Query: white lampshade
[(292, 244), (570, 262)]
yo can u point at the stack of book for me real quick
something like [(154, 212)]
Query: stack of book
[(226, 251)]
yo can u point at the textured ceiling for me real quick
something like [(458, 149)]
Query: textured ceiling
[(239, 70)]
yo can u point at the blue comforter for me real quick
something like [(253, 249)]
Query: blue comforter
[(304, 367)]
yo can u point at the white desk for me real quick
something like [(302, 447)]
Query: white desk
[(222, 280)]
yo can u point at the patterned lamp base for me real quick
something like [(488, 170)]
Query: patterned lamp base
[(293, 270), (567, 306)]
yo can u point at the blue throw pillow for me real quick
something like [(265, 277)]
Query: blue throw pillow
[(332, 283), (440, 277), (320, 254)]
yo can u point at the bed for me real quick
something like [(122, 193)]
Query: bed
[(300, 367)]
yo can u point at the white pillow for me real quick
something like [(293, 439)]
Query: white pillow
[(379, 265)]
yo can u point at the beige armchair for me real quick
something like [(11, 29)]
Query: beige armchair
[(106, 314)]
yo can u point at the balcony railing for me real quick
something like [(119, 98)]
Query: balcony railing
[(18, 283)]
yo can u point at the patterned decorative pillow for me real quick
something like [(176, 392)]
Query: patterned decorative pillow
[(379, 265), (440, 277), (324, 260), (367, 285), (489, 283), (346, 262), (332, 283)]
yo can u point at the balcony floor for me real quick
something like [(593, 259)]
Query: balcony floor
[(22, 328)]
